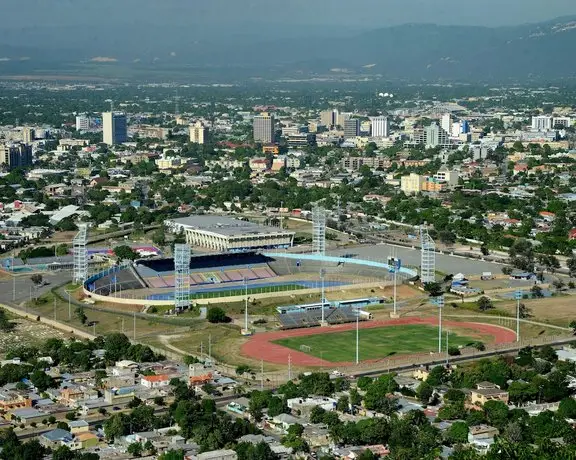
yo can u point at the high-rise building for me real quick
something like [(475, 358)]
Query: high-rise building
[(341, 118), (198, 133), (379, 127), (446, 123), (329, 118), (114, 128), (351, 127), (542, 123), (83, 123), (263, 127), (412, 183), (27, 135), (435, 136), (15, 155)]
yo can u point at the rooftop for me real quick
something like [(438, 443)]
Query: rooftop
[(226, 226)]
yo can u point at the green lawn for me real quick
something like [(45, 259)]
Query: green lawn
[(375, 343)]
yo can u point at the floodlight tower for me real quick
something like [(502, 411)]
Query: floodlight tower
[(79, 244), (323, 321), (318, 230), (182, 254), (427, 257), (439, 302)]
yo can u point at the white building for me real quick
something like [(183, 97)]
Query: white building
[(379, 127), (542, 123), (83, 123), (263, 128), (446, 122), (155, 381), (221, 233), (562, 121), (198, 133), (450, 177)]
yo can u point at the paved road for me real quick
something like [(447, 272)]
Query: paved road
[(20, 288), (444, 263)]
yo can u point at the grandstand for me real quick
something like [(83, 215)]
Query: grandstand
[(312, 318), (207, 269)]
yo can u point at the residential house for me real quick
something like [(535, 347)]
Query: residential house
[(78, 426), (55, 438), (482, 436), (481, 397), (222, 454), (155, 381)]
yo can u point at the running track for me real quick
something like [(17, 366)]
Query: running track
[(260, 346)]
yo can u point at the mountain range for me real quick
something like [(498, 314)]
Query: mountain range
[(413, 52)]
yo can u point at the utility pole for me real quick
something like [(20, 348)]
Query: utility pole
[(357, 336), (518, 295), (54, 308), (447, 354), (134, 325), (440, 300), (122, 325), (322, 321), (13, 287), (69, 307), (261, 374), (289, 366), (281, 206), (395, 270), (210, 346)]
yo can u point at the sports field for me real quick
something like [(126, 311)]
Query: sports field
[(376, 343)]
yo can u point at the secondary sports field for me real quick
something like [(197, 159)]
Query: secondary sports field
[(265, 346), (374, 343)]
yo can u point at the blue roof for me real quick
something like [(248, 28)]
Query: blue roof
[(57, 435)]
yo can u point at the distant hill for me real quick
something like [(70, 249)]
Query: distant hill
[(412, 51)]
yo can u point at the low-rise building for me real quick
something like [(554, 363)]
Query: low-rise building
[(481, 397)]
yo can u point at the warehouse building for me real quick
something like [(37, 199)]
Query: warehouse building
[(227, 234)]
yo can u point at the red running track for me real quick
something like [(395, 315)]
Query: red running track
[(260, 346)]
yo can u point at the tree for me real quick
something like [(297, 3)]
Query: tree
[(37, 279), (424, 392), (42, 381), (80, 315), (437, 376), (343, 404), (567, 408), (159, 237), (496, 413), (63, 453), (317, 414), (524, 311), (5, 324), (457, 433), (434, 289), (507, 270), (572, 326), (125, 253), (116, 426), (135, 449), (116, 346), (484, 303), (536, 292), (217, 315), (175, 455)]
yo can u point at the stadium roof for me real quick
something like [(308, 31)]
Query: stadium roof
[(226, 225)]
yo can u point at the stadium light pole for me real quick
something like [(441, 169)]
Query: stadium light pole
[(395, 271), (440, 300), (322, 295), (246, 304)]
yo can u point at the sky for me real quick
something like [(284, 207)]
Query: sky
[(247, 13)]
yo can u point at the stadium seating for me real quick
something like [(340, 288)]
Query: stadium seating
[(301, 319)]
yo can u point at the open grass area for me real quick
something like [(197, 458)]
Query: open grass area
[(375, 343)]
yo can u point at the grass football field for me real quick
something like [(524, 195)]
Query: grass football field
[(374, 343)]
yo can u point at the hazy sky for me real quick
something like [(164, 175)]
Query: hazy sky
[(368, 13)]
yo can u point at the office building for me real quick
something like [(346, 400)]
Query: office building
[(379, 127), (263, 127), (447, 176), (114, 127), (27, 135), (15, 156), (562, 122), (198, 133), (329, 118), (341, 119), (83, 123), (542, 123), (412, 183), (351, 127), (435, 136), (446, 123)]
